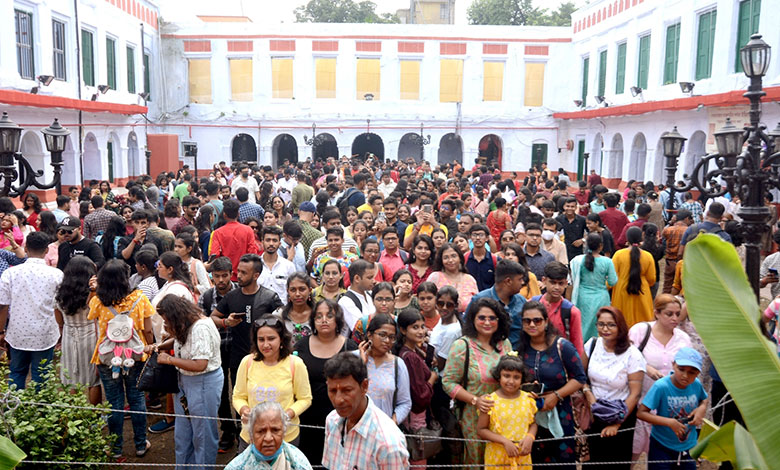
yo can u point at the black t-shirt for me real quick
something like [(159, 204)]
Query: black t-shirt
[(85, 247), (236, 301)]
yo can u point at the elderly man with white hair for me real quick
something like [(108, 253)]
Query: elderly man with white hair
[(268, 451)]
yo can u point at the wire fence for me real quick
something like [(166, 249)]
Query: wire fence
[(11, 403), (723, 402)]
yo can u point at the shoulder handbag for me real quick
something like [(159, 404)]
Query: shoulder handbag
[(579, 404), (422, 443), (156, 377)]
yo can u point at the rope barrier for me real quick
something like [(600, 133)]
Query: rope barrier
[(161, 465), (309, 426)]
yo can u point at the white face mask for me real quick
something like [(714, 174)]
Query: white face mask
[(547, 235)]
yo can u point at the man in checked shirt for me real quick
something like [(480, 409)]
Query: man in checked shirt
[(358, 435)]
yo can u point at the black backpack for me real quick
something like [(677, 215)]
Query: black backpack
[(343, 204)]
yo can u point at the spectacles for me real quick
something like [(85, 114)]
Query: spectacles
[(62, 231), (323, 318), (384, 300), (445, 304), (609, 326), (478, 235), (267, 321), (486, 318), (384, 336), (535, 321)]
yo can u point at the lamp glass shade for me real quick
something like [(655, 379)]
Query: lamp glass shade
[(55, 137), (729, 139), (673, 143), (10, 135), (755, 57)]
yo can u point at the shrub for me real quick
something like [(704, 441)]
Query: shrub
[(52, 432)]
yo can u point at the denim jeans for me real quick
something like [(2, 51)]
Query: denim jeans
[(23, 362), (116, 391), (659, 452), (196, 439)]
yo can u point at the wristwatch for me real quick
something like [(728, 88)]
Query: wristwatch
[(474, 400)]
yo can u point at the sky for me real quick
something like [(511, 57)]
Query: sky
[(275, 11)]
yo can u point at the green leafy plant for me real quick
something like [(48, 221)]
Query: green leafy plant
[(724, 310), (52, 432)]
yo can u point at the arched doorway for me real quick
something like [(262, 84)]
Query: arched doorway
[(133, 156), (616, 157), (325, 147), (490, 151), (638, 158), (368, 143), (450, 149), (243, 148), (411, 146), (696, 149), (92, 165), (595, 160), (70, 164), (115, 161), (33, 150), (285, 148)]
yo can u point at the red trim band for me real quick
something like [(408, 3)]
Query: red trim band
[(729, 98), (20, 98)]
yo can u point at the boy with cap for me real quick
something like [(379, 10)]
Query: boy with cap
[(74, 244), (680, 403)]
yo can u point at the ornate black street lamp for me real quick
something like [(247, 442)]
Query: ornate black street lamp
[(315, 139), (418, 139), (10, 141), (747, 161)]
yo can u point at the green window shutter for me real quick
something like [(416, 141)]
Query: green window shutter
[(147, 81), (644, 62), (602, 72), (87, 58), (585, 67), (747, 25), (704, 47), (672, 53), (111, 63), (620, 79), (130, 70)]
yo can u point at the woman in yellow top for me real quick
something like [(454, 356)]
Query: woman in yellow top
[(113, 292), (636, 273), (272, 373), (514, 252)]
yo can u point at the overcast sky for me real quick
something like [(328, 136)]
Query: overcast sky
[(276, 11)]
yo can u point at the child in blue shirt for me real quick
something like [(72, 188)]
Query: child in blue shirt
[(680, 402)]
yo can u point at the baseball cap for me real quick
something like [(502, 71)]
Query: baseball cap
[(307, 206), (69, 224), (688, 357)]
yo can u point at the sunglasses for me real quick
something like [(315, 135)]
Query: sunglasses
[(486, 318), (535, 321), (445, 304), (63, 231), (267, 321)]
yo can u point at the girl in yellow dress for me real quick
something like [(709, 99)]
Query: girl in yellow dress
[(509, 425)]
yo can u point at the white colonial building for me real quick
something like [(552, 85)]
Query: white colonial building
[(238, 90), (636, 56), (96, 56), (242, 91)]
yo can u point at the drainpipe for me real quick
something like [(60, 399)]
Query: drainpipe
[(78, 87)]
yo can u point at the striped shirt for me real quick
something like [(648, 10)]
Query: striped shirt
[(375, 443)]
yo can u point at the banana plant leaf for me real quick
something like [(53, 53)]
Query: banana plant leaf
[(730, 442), (724, 310), (10, 454)]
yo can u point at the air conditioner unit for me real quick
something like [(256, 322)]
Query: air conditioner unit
[(189, 149)]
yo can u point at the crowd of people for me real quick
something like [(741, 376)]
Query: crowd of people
[(334, 306)]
